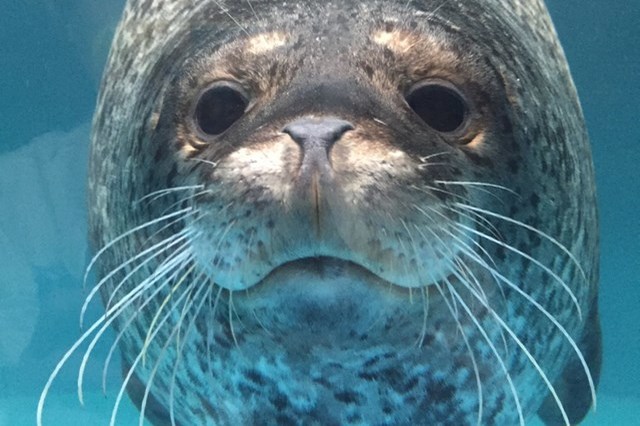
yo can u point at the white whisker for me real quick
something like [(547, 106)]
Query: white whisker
[(430, 190), (126, 234), (425, 315), (178, 261), (203, 161), (476, 370), (493, 349), (149, 281), (553, 320), (235, 21), (253, 10), (164, 245), (167, 343), (105, 317), (535, 261), (426, 158), (524, 350), (180, 347), (169, 296), (233, 333), (532, 229), (132, 368), (152, 196), (478, 184)]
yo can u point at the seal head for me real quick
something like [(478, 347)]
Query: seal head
[(346, 213)]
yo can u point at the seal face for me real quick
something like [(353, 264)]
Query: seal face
[(346, 213)]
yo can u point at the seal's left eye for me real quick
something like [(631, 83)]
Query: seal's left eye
[(440, 105), (219, 107)]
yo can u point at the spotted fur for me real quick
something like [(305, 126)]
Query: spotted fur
[(423, 278)]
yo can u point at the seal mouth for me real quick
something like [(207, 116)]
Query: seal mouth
[(328, 268)]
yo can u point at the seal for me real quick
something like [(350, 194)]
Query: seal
[(375, 212)]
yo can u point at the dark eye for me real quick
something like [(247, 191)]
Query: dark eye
[(219, 107), (442, 107)]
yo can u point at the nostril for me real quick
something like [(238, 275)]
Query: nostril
[(312, 132)]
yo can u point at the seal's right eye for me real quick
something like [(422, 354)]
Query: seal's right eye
[(219, 107)]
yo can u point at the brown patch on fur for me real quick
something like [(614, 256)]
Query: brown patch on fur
[(265, 43), (420, 55)]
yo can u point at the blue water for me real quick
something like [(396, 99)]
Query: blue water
[(52, 53)]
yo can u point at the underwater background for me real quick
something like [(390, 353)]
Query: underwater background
[(51, 55)]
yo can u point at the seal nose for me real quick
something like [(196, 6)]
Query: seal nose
[(316, 136)]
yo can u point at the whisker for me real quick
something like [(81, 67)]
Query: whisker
[(476, 370), (132, 368), (221, 240), (459, 272), (479, 184), (253, 10), (553, 320), (425, 315), (461, 275), (427, 165), (233, 333), (180, 348), (235, 21), (493, 349), (532, 229), (440, 6), (164, 303), (413, 245), (524, 350), (105, 317), (423, 291), (130, 298), (405, 261), (61, 363), (379, 121), (126, 234), (447, 231), (184, 243), (203, 161), (545, 268), (430, 156), (171, 223), (183, 200), (167, 243), (479, 220), (430, 189), (149, 281), (167, 343), (212, 310), (152, 196), (461, 243)]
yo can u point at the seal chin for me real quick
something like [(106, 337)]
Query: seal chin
[(331, 299)]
